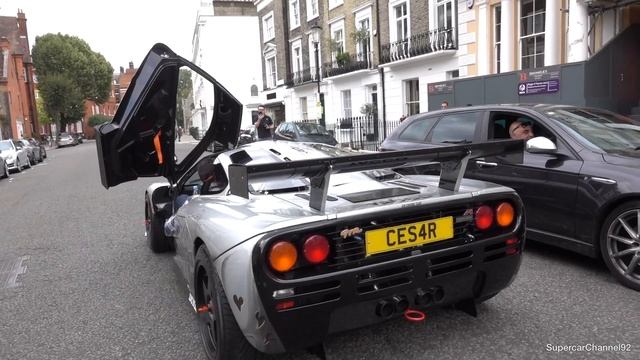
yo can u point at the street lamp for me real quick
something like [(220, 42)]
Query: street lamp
[(315, 37)]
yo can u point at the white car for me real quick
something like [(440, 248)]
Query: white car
[(14, 154)]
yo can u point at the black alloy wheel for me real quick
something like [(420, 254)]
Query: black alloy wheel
[(219, 331), (620, 244), (154, 230)]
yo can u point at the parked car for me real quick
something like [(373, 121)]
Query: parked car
[(39, 145), (282, 243), (4, 168), (78, 136), (304, 132), (66, 139), (579, 179), (33, 151), (14, 154), (247, 136)]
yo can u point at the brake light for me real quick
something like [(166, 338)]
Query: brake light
[(505, 214), (316, 249), (484, 217), (282, 256)]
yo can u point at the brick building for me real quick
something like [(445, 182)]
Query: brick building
[(18, 113), (119, 86)]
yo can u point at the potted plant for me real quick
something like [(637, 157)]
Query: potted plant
[(343, 58)]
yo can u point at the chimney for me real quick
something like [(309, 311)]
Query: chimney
[(131, 65), (22, 23), (121, 70)]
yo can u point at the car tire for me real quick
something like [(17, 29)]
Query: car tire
[(620, 244), (6, 171), (220, 333), (154, 231)]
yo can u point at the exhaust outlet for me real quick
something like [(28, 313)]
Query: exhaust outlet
[(438, 294), (385, 309), (401, 303), (423, 297)]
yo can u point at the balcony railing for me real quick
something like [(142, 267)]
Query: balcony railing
[(346, 63), (301, 77), (419, 44)]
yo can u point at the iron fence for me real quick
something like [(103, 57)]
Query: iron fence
[(301, 77), (419, 44), (346, 63), (362, 132), (358, 132)]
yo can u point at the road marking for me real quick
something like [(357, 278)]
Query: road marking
[(10, 270)]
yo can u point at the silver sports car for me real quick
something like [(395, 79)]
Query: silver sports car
[(283, 243)]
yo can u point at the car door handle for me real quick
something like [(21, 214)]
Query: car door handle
[(484, 164)]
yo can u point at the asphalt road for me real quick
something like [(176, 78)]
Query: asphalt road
[(78, 282)]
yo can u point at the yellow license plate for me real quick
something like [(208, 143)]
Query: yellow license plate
[(408, 235)]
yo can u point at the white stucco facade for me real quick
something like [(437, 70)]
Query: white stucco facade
[(216, 53)]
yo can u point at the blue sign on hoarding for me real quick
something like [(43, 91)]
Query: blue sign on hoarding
[(539, 81), (539, 87)]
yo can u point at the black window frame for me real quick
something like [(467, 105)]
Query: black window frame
[(480, 115), (433, 119)]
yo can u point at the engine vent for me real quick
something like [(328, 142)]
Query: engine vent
[(375, 281)]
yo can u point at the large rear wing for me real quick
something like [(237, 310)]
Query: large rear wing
[(453, 160)]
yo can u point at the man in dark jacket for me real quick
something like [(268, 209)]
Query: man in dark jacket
[(264, 125)]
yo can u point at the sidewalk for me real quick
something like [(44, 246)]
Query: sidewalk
[(187, 139)]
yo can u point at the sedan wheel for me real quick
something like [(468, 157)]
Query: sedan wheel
[(620, 244)]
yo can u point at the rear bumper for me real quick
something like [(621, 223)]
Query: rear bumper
[(358, 297)]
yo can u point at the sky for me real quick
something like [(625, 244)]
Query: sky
[(121, 30)]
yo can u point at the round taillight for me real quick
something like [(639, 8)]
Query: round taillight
[(316, 249), (282, 256), (484, 217), (505, 214)]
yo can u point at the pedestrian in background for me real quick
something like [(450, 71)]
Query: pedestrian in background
[(444, 105), (179, 133), (264, 124)]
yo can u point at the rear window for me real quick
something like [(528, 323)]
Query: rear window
[(456, 128), (417, 130)]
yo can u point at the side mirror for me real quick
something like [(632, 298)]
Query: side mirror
[(541, 145)]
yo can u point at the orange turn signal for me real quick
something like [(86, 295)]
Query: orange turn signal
[(505, 214), (282, 256)]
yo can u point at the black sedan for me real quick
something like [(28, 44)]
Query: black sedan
[(304, 132), (580, 193)]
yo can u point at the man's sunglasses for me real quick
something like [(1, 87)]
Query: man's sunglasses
[(522, 124)]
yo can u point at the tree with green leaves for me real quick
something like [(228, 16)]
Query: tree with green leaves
[(185, 89), (43, 116), (98, 119), (69, 72)]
